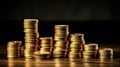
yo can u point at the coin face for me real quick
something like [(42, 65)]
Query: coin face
[(30, 20), (61, 27), (76, 36)]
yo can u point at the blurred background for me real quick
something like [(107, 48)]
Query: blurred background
[(98, 19), (75, 10)]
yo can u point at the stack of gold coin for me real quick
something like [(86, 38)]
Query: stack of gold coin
[(31, 37), (14, 49), (61, 32), (90, 50), (41, 55), (76, 45), (106, 53), (60, 37), (46, 44)]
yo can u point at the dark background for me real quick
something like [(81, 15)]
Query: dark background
[(98, 20), (60, 9)]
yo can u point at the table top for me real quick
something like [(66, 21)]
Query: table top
[(63, 62), (80, 62)]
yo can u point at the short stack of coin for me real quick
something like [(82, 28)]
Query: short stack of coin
[(46, 44), (106, 53), (76, 45), (14, 49), (90, 50), (31, 37), (60, 37)]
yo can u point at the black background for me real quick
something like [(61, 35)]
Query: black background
[(98, 20)]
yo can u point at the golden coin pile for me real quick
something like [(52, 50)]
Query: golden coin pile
[(57, 47), (76, 45), (13, 49), (106, 53), (90, 50), (60, 37), (31, 37)]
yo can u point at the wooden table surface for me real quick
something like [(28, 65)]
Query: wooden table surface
[(60, 63), (64, 62)]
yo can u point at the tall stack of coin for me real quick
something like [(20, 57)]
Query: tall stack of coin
[(76, 45), (90, 50), (60, 37), (14, 49), (31, 37), (106, 53), (46, 44)]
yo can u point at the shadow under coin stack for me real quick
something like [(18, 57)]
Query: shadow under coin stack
[(106, 53), (13, 49), (31, 37), (90, 50), (76, 45), (60, 37)]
